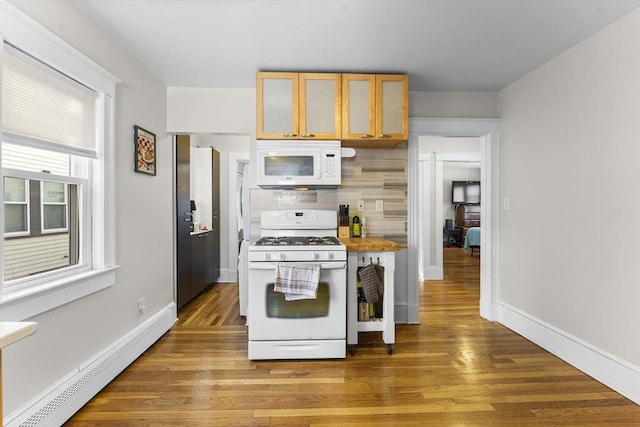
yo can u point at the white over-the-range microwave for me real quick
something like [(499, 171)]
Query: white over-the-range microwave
[(299, 164)]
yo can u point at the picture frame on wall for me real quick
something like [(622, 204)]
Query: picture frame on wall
[(144, 143)]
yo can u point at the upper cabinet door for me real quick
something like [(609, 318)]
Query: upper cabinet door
[(392, 111), (277, 106), (298, 106), (320, 107), (375, 107), (358, 106)]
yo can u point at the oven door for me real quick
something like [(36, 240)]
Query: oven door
[(271, 317)]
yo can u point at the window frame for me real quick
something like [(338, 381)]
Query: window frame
[(42, 294), (43, 204), (26, 203)]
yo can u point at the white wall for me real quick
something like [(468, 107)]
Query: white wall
[(569, 152), (68, 336), (453, 104), (211, 110)]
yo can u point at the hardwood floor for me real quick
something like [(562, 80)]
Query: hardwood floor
[(454, 369)]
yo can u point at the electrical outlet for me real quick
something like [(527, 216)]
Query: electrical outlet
[(141, 306), (506, 203), (360, 206), (379, 205)]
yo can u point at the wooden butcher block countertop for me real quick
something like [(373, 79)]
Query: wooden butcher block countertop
[(362, 244)]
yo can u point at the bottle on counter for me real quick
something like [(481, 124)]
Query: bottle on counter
[(355, 226), (363, 227)]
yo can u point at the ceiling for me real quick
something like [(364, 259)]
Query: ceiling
[(459, 45)]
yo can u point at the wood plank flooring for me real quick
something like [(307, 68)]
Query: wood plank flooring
[(454, 369)]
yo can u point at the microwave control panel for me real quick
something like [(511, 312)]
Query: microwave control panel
[(331, 168)]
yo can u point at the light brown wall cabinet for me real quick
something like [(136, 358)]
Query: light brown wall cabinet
[(298, 105), (375, 108)]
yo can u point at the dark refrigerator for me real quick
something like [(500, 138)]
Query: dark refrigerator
[(184, 223)]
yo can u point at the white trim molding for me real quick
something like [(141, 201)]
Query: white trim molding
[(235, 159), (488, 131), (440, 159), (619, 375)]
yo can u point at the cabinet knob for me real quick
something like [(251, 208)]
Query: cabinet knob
[(289, 135), (309, 135), (366, 135)]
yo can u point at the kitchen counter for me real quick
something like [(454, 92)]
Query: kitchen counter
[(371, 244), (11, 332), (195, 233)]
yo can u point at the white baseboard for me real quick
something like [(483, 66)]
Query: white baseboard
[(227, 276), (406, 313), (433, 273), (59, 402), (615, 373)]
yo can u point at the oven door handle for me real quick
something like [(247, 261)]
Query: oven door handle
[(323, 265)]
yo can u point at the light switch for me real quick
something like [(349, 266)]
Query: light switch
[(360, 206), (379, 205), (506, 203)]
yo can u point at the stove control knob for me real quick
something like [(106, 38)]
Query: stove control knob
[(281, 256), (316, 255), (267, 256), (330, 255)]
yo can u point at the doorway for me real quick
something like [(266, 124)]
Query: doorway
[(443, 160), (487, 131)]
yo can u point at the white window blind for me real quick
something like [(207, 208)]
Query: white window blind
[(39, 102)]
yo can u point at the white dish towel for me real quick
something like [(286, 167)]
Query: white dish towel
[(299, 281)]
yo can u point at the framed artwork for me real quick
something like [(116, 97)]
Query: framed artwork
[(144, 144)]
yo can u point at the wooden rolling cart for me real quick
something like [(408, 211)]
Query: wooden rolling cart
[(362, 252)]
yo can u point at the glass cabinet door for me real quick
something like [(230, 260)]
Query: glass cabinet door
[(358, 106), (277, 105), (320, 108), (375, 106), (391, 107)]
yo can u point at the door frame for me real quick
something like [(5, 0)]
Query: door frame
[(436, 272), (236, 159), (488, 132)]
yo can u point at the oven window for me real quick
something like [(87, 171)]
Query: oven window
[(278, 307), (288, 166)]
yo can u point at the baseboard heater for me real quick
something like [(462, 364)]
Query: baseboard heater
[(59, 402)]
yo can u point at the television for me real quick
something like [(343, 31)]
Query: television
[(465, 192)]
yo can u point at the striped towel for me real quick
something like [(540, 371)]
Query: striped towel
[(370, 283), (297, 281)]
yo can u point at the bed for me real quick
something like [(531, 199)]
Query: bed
[(472, 240)]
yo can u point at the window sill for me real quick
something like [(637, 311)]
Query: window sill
[(25, 303)]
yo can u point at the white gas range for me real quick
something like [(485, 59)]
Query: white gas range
[(313, 328)]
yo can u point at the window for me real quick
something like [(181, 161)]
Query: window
[(43, 108), (57, 167), (54, 206), (16, 206)]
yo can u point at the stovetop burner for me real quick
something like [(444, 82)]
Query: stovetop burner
[(298, 241)]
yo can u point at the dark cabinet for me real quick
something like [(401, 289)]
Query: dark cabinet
[(183, 220), (213, 246), (198, 254), (202, 272), (467, 216)]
